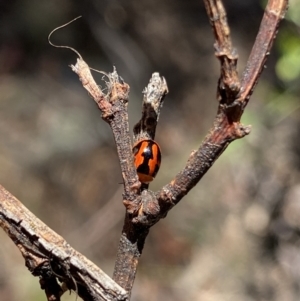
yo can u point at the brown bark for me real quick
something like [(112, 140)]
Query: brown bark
[(48, 256)]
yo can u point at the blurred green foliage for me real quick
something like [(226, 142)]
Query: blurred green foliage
[(288, 65)]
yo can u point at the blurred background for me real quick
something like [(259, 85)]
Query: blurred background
[(233, 237)]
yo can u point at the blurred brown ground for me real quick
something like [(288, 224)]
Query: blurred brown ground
[(234, 237)]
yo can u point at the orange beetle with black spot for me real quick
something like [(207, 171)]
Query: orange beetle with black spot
[(147, 159)]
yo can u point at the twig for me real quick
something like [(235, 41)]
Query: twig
[(133, 234), (274, 13), (113, 106), (229, 85), (154, 95), (227, 126), (47, 255)]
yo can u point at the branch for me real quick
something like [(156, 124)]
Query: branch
[(143, 207), (274, 13), (134, 234), (48, 256), (229, 84), (154, 95), (113, 107), (227, 126)]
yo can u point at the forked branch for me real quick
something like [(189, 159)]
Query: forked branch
[(47, 255), (227, 126)]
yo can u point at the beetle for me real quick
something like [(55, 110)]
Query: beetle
[(147, 159)]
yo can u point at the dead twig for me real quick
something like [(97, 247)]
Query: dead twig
[(48, 255), (274, 13), (134, 234), (227, 126), (229, 84), (154, 95)]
